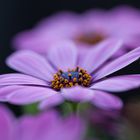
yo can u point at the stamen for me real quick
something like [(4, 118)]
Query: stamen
[(71, 78), (74, 80)]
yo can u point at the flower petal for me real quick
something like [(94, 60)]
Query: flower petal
[(78, 94), (71, 123), (50, 126), (63, 56), (99, 54), (118, 63), (31, 63), (118, 83), (106, 101), (50, 30), (51, 101), (20, 79), (35, 127), (6, 124), (5, 91), (29, 94)]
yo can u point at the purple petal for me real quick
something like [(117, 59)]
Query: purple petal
[(72, 123), (118, 64), (29, 94), (29, 62), (106, 101), (6, 124), (118, 83), (63, 56), (47, 31), (20, 79), (99, 54), (34, 127), (5, 91), (61, 130), (78, 94), (51, 101), (50, 126)]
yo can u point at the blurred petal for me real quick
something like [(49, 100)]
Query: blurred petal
[(34, 127), (6, 124), (118, 64), (106, 101), (46, 32), (51, 101), (20, 79), (50, 126), (118, 83), (30, 94), (99, 54), (31, 63), (72, 123), (77, 93), (63, 56), (62, 130)]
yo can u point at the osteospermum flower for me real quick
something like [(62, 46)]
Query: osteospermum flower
[(45, 126), (64, 75), (87, 29)]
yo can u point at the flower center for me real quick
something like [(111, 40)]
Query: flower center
[(90, 38), (71, 78)]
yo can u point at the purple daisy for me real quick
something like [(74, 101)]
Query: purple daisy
[(45, 126), (64, 75), (87, 29)]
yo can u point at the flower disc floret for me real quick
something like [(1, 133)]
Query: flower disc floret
[(77, 76)]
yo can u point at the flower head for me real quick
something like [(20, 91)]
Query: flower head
[(64, 74), (87, 29), (45, 126)]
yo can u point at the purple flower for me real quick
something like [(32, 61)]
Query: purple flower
[(86, 29), (63, 74), (45, 126)]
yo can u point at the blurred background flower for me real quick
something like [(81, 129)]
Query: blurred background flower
[(87, 29), (45, 126)]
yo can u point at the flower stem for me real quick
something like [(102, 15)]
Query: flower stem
[(30, 109)]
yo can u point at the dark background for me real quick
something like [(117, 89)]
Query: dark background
[(17, 15)]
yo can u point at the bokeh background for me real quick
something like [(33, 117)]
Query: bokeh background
[(18, 15)]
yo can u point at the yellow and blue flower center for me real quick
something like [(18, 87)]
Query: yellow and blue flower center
[(71, 78)]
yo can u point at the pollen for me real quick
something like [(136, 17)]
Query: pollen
[(73, 77)]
